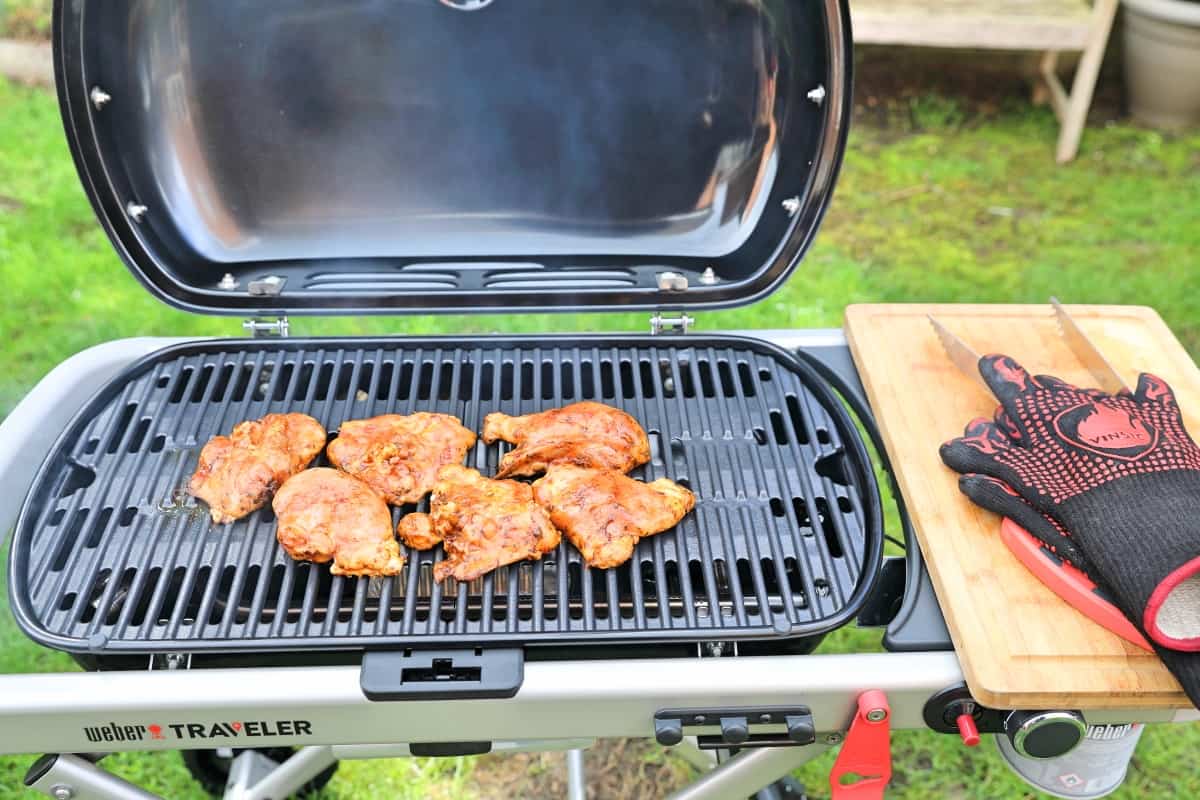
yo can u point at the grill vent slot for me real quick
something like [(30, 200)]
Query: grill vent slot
[(200, 389), (607, 383), (119, 549), (118, 430), (69, 540), (181, 384), (749, 389), (381, 281), (282, 382), (568, 278)]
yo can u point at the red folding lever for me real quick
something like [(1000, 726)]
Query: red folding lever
[(967, 729), (865, 762)]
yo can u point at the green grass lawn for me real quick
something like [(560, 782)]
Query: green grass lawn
[(937, 203)]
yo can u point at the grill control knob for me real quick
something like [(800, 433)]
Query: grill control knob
[(734, 730), (1045, 734), (668, 732)]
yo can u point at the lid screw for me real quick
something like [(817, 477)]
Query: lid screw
[(708, 277), (62, 792), (817, 95), (99, 97), (791, 206), (228, 282), (136, 211)]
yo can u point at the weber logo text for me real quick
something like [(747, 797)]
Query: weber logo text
[(228, 731), (112, 732)]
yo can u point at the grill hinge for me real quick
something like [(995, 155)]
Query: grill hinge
[(262, 328), (716, 649), (171, 661), (675, 323)]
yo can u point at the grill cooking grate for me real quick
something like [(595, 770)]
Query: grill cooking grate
[(112, 555)]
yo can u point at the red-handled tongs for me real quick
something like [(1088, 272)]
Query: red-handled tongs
[(1064, 580)]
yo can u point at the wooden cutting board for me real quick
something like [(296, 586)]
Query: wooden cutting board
[(1020, 646)]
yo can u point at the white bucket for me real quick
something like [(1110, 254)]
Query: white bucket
[(1093, 769)]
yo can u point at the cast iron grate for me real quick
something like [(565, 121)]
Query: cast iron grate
[(111, 555)]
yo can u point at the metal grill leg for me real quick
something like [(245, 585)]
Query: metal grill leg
[(748, 772), (253, 776), (689, 750), (576, 778), (68, 777)]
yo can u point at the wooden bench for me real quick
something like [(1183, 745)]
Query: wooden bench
[(1048, 26)]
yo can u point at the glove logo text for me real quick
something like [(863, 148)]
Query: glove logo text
[(1107, 431)]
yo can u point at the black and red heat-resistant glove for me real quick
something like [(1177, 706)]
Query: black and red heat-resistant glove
[(997, 496), (1119, 472)]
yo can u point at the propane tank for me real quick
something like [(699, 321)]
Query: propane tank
[(1057, 753)]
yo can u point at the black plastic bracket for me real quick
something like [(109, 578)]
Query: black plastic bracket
[(904, 603), (740, 727), (449, 749), (918, 625), (442, 674), (884, 603), (38, 769), (944, 708)]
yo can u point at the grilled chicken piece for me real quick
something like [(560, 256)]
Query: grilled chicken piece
[(238, 473), (604, 513), (325, 514), (483, 524), (583, 434), (416, 531), (399, 456)]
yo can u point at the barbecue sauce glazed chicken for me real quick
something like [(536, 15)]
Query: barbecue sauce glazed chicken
[(325, 514), (238, 473), (482, 523), (582, 434), (604, 513), (399, 455)]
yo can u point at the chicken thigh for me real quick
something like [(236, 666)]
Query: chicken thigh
[(325, 514), (604, 512), (238, 473), (399, 455), (583, 434), (483, 524)]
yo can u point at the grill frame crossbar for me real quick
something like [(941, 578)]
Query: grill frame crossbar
[(111, 556)]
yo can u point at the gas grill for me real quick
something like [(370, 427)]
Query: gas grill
[(338, 157)]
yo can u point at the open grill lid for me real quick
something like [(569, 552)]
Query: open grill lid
[(388, 156)]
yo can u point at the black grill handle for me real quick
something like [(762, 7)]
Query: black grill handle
[(468, 674)]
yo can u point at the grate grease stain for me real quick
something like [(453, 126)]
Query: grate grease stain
[(181, 504)]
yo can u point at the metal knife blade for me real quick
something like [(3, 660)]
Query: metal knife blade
[(1086, 351), (959, 352)]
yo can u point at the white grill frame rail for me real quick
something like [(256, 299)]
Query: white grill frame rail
[(561, 705)]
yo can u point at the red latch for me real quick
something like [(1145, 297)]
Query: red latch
[(864, 766)]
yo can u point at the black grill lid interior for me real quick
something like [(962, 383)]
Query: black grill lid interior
[(358, 156)]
